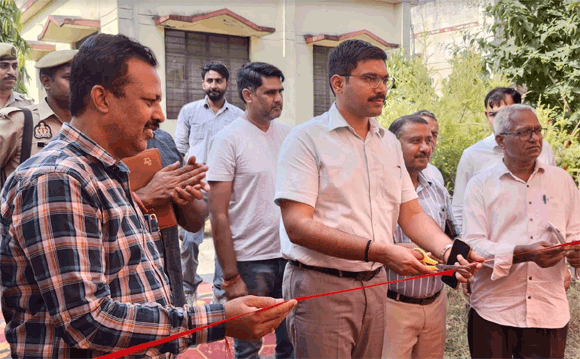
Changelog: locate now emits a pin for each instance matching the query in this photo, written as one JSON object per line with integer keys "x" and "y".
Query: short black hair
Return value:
{"x": 250, "y": 76}
{"x": 425, "y": 113}
{"x": 102, "y": 60}
{"x": 217, "y": 67}
{"x": 346, "y": 56}
{"x": 399, "y": 123}
{"x": 51, "y": 71}
{"x": 498, "y": 94}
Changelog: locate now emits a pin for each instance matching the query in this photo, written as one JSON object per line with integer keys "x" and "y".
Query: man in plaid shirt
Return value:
{"x": 81, "y": 273}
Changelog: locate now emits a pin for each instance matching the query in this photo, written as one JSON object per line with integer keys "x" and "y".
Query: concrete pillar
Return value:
{"x": 404, "y": 26}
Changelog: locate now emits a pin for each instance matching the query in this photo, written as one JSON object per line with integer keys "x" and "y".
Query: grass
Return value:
{"x": 456, "y": 342}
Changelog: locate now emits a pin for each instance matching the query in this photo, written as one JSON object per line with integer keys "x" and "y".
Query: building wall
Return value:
{"x": 89, "y": 9}
{"x": 440, "y": 24}
{"x": 285, "y": 48}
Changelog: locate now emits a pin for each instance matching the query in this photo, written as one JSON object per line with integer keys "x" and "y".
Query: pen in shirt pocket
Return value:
{"x": 545, "y": 199}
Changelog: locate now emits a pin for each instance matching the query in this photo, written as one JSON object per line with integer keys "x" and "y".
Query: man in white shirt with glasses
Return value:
{"x": 518, "y": 304}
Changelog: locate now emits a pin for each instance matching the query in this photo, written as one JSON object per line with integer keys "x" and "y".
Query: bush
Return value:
{"x": 564, "y": 142}
{"x": 460, "y": 110}
{"x": 458, "y": 107}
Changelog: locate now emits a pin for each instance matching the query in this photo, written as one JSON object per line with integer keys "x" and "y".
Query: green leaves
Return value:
{"x": 457, "y": 103}
{"x": 10, "y": 27}
{"x": 537, "y": 45}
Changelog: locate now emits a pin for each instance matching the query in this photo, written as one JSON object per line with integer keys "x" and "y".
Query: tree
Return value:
{"x": 10, "y": 28}
{"x": 536, "y": 43}
{"x": 459, "y": 109}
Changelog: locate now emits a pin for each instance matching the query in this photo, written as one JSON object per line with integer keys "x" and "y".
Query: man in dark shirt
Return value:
{"x": 191, "y": 215}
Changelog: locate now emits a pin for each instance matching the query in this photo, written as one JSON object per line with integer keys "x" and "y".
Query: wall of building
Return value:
{"x": 337, "y": 18}
{"x": 88, "y": 9}
{"x": 439, "y": 25}
{"x": 285, "y": 48}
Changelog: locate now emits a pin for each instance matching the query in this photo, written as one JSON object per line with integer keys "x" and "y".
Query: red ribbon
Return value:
{"x": 144, "y": 346}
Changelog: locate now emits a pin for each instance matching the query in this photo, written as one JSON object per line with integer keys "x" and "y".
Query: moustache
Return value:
{"x": 215, "y": 93}
{"x": 380, "y": 97}
{"x": 154, "y": 125}
{"x": 9, "y": 77}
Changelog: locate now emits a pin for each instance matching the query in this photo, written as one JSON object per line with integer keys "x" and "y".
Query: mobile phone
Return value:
{"x": 459, "y": 247}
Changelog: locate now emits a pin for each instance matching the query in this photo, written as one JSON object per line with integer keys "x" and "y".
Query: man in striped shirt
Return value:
{"x": 81, "y": 273}
{"x": 415, "y": 324}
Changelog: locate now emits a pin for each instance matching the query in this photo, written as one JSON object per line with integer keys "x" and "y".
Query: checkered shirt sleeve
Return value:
{"x": 81, "y": 273}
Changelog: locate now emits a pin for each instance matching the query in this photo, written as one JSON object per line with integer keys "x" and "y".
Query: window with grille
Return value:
{"x": 323, "y": 96}
{"x": 187, "y": 52}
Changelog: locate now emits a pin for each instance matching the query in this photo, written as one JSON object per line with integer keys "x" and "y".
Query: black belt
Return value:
{"x": 403, "y": 298}
{"x": 361, "y": 276}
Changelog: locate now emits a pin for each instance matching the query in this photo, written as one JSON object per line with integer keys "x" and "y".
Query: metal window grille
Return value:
{"x": 187, "y": 52}
{"x": 323, "y": 96}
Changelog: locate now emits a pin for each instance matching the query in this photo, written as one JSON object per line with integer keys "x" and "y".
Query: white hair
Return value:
{"x": 503, "y": 119}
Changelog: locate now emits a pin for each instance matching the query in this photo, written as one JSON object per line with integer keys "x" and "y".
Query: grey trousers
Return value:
{"x": 189, "y": 259}
{"x": 346, "y": 325}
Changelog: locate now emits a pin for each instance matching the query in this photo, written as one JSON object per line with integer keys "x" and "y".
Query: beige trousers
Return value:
{"x": 346, "y": 325}
{"x": 415, "y": 331}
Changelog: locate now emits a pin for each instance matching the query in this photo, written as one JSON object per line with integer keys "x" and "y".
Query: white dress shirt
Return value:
{"x": 354, "y": 185}
{"x": 197, "y": 124}
{"x": 479, "y": 157}
{"x": 501, "y": 211}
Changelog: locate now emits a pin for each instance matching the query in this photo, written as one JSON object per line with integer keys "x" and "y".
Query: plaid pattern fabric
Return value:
{"x": 81, "y": 273}
{"x": 434, "y": 199}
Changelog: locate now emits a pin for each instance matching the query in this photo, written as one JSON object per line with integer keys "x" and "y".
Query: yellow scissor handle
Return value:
{"x": 429, "y": 262}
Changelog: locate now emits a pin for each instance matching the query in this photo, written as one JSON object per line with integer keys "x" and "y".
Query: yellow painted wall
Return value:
{"x": 442, "y": 24}
{"x": 285, "y": 48}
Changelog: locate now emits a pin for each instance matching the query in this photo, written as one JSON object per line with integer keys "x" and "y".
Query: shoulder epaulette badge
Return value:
{"x": 6, "y": 111}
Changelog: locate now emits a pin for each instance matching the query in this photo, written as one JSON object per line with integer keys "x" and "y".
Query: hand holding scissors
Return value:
{"x": 433, "y": 264}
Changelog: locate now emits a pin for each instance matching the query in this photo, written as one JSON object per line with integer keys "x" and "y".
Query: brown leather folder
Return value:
{"x": 143, "y": 167}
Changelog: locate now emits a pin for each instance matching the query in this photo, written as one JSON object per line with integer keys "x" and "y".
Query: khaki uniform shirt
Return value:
{"x": 46, "y": 126}
{"x": 18, "y": 100}
{"x": 11, "y": 126}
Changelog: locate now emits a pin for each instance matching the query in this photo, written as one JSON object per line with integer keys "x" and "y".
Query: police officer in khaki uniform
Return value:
{"x": 53, "y": 110}
{"x": 47, "y": 116}
{"x": 9, "y": 77}
{"x": 11, "y": 128}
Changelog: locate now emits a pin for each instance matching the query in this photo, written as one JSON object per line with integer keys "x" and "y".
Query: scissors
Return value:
{"x": 435, "y": 265}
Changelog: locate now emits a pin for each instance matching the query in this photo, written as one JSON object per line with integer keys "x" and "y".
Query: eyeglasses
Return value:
{"x": 374, "y": 81}
{"x": 527, "y": 134}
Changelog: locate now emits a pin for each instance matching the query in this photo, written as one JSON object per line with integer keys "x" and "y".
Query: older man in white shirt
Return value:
{"x": 518, "y": 305}
{"x": 486, "y": 152}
